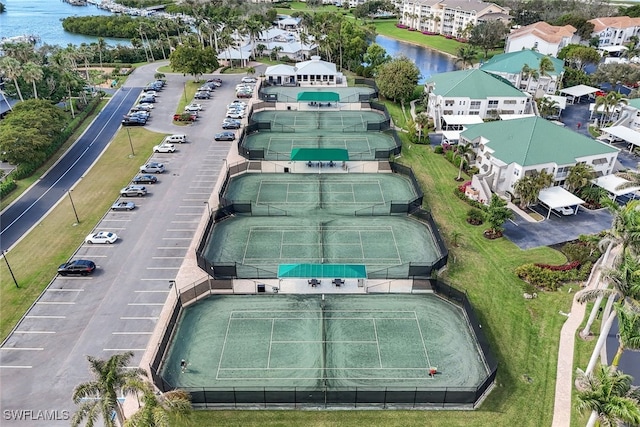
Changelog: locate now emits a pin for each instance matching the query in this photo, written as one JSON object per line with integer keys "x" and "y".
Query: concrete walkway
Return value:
{"x": 564, "y": 372}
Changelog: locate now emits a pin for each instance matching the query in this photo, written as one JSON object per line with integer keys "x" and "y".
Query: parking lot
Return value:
{"x": 116, "y": 308}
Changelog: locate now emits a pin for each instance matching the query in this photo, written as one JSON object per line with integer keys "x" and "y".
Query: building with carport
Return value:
{"x": 556, "y": 198}
{"x": 612, "y": 184}
{"x": 575, "y": 93}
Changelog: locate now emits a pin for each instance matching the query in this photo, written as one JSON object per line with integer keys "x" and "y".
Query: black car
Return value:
{"x": 144, "y": 179}
{"x": 231, "y": 125}
{"x": 83, "y": 267}
{"x": 225, "y": 136}
{"x": 202, "y": 95}
{"x": 133, "y": 121}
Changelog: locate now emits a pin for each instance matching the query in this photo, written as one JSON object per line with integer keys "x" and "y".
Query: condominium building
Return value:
{"x": 615, "y": 30}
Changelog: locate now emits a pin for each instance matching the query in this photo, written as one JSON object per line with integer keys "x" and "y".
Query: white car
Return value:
{"x": 234, "y": 115}
{"x": 248, "y": 80}
{"x": 144, "y": 107}
{"x": 101, "y": 237}
{"x": 179, "y": 138}
{"x": 151, "y": 93}
{"x": 565, "y": 211}
{"x": 193, "y": 107}
{"x": 236, "y": 106}
{"x": 165, "y": 147}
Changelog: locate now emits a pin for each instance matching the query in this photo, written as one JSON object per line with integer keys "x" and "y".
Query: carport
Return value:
{"x": 558, "y": 197}
{"x": 623, "y": 132}
{"x": 577, "y": 92}
{"x": 611, "y": 184}
{"x": 457, "y": 123}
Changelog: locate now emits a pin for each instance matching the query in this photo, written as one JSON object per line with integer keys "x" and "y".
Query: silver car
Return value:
{"x": 134, "y": 190}
{"x": 152, "y": 167}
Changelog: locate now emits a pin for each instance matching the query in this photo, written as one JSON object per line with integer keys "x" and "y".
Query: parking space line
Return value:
{"x": 34, "y": 332}
{"x": 189, "y": 213}
{"x": 155, "y": 280}
{"x": 64, "y": 290}
{"x": 195, "y": 200}
{"x": 15, "y": 367}
{"x": 98, "y": 256}
{"x": 145, "y": 303}
{"x": 124, "y": 349}
{"x": 56, "y": 302}
{"x": 167, "y": 257}
{"x": 149, "y": 292}
{"x": 131, "y": 333}
{"x": 163, "y": 268}
{"x": 23, "y": 348}
{"x": 139, "y": 318}
{"x": 177, "y": 238}
{"x": 205, "y": 193}
{"x": 181, "y": 229}
{"x": 201, "y": 186}
{"x": 185, "y": 222}
{"x": 76, "y": 278}
{"x": 115, "y": 219}
{"x": 172, "y": 247}
{"x": 33, "y": 316}
{"x": 199, "y": 206}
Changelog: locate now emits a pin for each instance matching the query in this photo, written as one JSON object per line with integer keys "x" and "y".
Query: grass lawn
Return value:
{"x": 524, "y": 333}
{"x": 35, "y": 258}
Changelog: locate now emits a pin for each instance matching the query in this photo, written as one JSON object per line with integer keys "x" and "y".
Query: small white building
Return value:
{"x": 615, "y": 30}
{"x": 314, "y": 72}
{"x": 542, "y": 37}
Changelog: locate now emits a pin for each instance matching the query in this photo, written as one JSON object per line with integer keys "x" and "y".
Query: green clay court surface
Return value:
{"x": 347, "y": 94}
{"x": 386, "y": 244}
{"x": 339, "y": 193}
{"x": 380, "y": 341}
{"x": 327, "y": 121}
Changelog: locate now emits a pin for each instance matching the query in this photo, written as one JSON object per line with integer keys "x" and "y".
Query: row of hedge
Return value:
{"x": 545, "y": 278}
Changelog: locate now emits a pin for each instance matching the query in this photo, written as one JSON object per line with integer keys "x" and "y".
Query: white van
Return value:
{"x": 175, "y": 139}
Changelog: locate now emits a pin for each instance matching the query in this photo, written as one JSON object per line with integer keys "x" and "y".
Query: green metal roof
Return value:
{"x": 635, "y": 103}
{"x": 319, "y": 96}
{"x": 533, "y": 140}
{"x": 473, "y": 84}
{"x": 336, "y": 271}
{"x": 319, "y": 154}
{"x": 513, "y": 62}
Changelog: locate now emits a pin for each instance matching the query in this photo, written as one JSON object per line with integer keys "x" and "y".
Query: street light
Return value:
{"x": 4, "y": 255}
{"x": 74, "y": 207}
{"x": 133, "y": 153}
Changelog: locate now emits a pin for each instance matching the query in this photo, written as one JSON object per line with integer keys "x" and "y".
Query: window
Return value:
{"x": 493, "y": 103}
{"x": 475, "y": 105}
{"x": 510, "y": 101}
{"x": 449, "y": 103}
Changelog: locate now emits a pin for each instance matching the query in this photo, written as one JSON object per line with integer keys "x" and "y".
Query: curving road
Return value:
{"x": 29, "y": 209}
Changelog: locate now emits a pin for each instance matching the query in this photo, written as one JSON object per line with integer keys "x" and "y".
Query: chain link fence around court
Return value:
{"x": 330, "y": 325}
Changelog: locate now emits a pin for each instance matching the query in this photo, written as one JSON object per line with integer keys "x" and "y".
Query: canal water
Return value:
{"x": 42, "y": 18}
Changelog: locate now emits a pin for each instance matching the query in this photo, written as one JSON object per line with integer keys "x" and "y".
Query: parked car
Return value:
{"x": 185, "y": 117}
{"x": 142, "y": 107}
{"x": 123, "y": 206}
{"x": 149, "y": 93}
{"x": 248, "y": 80}
{"x": 147, "y": 100}
{"x": 134, "y": 190}
{"x": 244, "y": 94}
{"x": 160, "y": 82}
{"x": 202, "y": 95}
{"x": 83, "y": 267}
{"x": 234, "y": 114}
{"x": 134, "y": 121}
{"x": 176, "y": 138}
{"x": 101, "y": 237}
{"x": 153, "y": 167}
{"x": 165, "y": 147}
{"x": 225, "y": 136}
{"x": 141, "y": 114}
{"x": 144, "y": 179}
{"x": 205, "y": 89}
{"x": 564, "y": 211}
{"x": 215, "y": 79}
{"x": 193, "y": 107}
{"x": 238, "y": 102}
{"x": 231, "y": 125}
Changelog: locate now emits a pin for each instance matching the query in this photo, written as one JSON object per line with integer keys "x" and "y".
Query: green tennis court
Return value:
{"x": 290, "y": 94}
{"x": 389, "y": 243}
{"x": 338, "y": 193}
{"x": 324, "y": 341}
{"x": 278, "y": 146}
{"x": 328, "y": 121}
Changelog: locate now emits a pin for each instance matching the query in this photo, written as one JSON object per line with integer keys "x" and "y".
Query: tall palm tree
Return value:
{"x": 159, "y": 410}
{"x": 101, "y": 46}
{"x": 11, "y": 68}
{"x": 466, "y": 54}
{"x": 99, "y": 397}
{"x": 580, "y": 175}
{"x": 545, "y": 66}
{"x": 609, "y": 396}
{"x": 628, "y": 332}
{"x": 422, "y": 121}
{"x": 464, "y": 151}
{"x": 529, "y": 186}
{"x": 32, "y": 73}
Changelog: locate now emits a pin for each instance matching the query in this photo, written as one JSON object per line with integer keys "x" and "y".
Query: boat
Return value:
{"x": 26, "y": 38}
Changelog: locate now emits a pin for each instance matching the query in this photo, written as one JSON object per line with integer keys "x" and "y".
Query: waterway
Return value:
{"x": 42, "y": 18}
{"x": 429, "y": 61}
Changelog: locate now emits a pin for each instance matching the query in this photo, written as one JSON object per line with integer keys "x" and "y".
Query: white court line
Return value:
{"x": 163, "y": 268}
{"x": 224, "y": 344}
{"x": 55, "y": 303}
{"x": 23, "y": 348}
{"x": 139, "y": 318}
{"x": 33, "y": 316}
{"x": 15, "y": 367}
{"x": 375, "y": 330}
{"x": 64, "y": 290}
{"x": 34, "y": 332}
{"x": 131, "y": 333}
{"x": 424, "y": 346}
{"x": 273, "y": 322}
{"x": 145, "y": 303}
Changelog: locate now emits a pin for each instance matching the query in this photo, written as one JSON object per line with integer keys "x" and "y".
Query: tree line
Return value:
{"x": 121, "y": 26}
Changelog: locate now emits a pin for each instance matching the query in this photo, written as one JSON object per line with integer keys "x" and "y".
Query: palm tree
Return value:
{"x": 628, "y": 332}
{"x": 580, "y": 175}
{"x": 545, "y": 66}
{"x": 99, "y": 397}
{"x": 529, "y": 186}
{"x": 160, "y": 410}
{"x": 466, "y": 55}
{"x": 31, "y": 73}
{"x": 11, "y": 68}
{"x": 421, "y": 120}
{"x": 547, "y": 106}
{"x": 609, "y": 396}
{"x": 464, "y": 151}
{"x": 101, "y": 46}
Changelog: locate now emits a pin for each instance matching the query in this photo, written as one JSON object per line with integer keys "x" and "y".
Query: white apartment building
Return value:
{"x": 542, "y": 37}
{"x": 449, "y": 17}
{"x": 615, "y": 30}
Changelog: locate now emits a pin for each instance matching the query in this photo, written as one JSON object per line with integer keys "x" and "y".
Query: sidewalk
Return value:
{"x": 564, "y": 372}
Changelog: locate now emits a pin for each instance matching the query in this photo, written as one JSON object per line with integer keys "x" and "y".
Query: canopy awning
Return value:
{"x": 337, "y": 271}
{"x": 462, "y": 119}
{"x": 515, "y": 116}
{"x": 625, "y": 133}
{"x": 319, "y": 154}
{"x": 319, "y": 96}
{"x": 579, "y": 90}
{"x": 558, "y": 197}
{"x": 612, "y": 182}
{"x": 561, "y": 100}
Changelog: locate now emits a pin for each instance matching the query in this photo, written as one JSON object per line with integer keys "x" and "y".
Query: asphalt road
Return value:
{"x": 27, "y": 211}
{"x": 116, "y": 309}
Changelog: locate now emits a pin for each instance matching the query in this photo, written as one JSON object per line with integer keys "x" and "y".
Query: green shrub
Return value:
{"x": 550, "y": 280}
{"x": 475, "y": 216}
{"x": 474, "y": 203}
{"x": 473, "y": 170}
{"x": 581, "y": 252}
{"x": 7, "y": 186}
{"x": 438, "y": 149}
